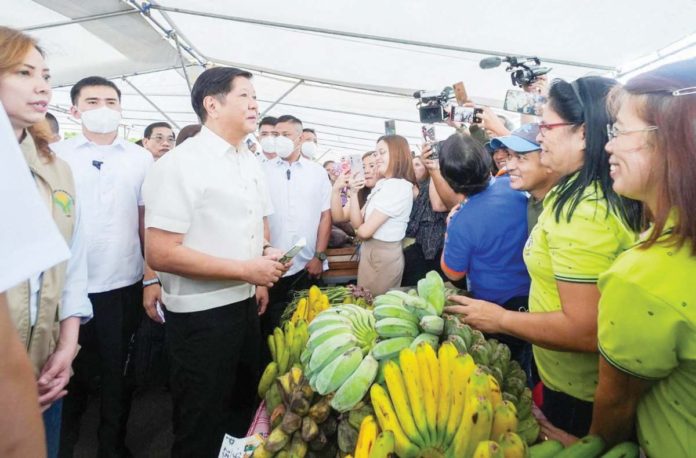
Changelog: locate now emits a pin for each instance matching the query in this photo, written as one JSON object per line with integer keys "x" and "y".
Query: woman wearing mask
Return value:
{"x": 340, "y": 211}
{"x": 46, "y": 309}
{"x": 647, "y": 310}
{"x": 381, "y": 224}
{"x": 426, "y": 226}
{"x": 584, "y": 226}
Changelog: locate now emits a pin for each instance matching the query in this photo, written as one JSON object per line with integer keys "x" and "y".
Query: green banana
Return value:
{"x": 337, "y": 371}
{"x": 588, "y": 446}
{"x": 430, "y": 339}
{"x": 268, "y": 377}
{"x": 383, "y": 446}
{"x": 390, "y": 348}
{"x": 546, "y": 449}
{"x": 623, "y": 450}
{"x": 394, "y": 311}
{"x": 387, "y": 299}
{"x": 323, "y": 334}
{"x": 331, "y": 349}
{"x": 396, "y": 327}
{"x": 513, "y": 446}
{"x": 458, "y": 343}
{"x": 528, "y": 429}
{"x": 432, "y": 324}
{"x": 356, "y": 386}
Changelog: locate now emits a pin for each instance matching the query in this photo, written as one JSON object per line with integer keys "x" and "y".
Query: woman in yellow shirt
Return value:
{"x": 647, "y": 311}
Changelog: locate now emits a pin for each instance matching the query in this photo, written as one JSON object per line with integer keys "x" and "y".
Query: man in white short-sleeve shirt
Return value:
{"x": 109, "y": 172}
{"x": 206, "y": 202}
{"x": 301, "y": 197}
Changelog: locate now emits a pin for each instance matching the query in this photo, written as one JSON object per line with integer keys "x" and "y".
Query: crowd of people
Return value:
{"x": 573, "y": 235}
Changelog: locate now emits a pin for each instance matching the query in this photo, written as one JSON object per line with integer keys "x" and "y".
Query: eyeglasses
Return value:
{"x": 162, "y": 139}
{"x": 543, "y": 127}
{"x": 613, "y": 131}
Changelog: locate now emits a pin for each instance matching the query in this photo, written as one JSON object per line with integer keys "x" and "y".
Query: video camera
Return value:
{"x": 431, "y": 104}
{"x": 523, "y": 70}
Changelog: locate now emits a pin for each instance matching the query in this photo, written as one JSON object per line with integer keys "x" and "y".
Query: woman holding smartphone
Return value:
{"x": 340, "y": 211}
{"x": 381, "y": 223}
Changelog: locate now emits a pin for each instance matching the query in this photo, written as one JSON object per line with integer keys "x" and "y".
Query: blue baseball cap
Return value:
{"x": 521, "y": 140}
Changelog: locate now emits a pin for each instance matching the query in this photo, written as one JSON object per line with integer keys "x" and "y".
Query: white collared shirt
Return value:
{"x": 394, "y": 198}
{"x": 109, "y": 178}
{"x": 300, "y": 192}
{"x": 217, "y": 197}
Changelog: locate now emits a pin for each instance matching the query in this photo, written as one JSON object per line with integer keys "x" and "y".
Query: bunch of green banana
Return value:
{"x": 337, "y": 357}
{"x": 302, "y": 424}
{"x": 286, "y": 345}
{"x": 588, "y": 447}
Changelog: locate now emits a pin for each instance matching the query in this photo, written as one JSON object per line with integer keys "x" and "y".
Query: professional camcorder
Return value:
{"x": 431, "y": 104}
{"x": 523, "y": 70}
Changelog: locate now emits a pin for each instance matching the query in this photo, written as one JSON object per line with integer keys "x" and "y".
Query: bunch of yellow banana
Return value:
{"x": 442, "y": 405}
{"x": 286, "y": 345}
{"x": 310, "y": 306}
{"x": 371, "y": 442}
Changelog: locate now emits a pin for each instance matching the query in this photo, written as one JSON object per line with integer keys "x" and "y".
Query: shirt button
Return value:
{"x": 252, "y": 237}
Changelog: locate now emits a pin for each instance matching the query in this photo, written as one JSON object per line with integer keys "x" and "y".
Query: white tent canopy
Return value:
{"x": 342, "y": 67}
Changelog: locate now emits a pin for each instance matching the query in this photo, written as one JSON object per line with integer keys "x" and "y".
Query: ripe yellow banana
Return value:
{"x": 481, "y": 428}
{"x": 399, "y": 397}
{"x": 366, "y": 437}
{"x": 446, "y": 355}
{"x": 463, "y": 366}
{"x": 384, "y": 445}
{"x": 389, "y": 422}
{"x": 460, "y": 441}
{"x": 504, "y": 420}
{"x": 414, "y": 389}
{"x": 513, "y": 446}
{"x": 488, "y": 449}
{"x": 496, "y": 393}
{"x": 478, "y": 385}
{"x": 429, "y": 396}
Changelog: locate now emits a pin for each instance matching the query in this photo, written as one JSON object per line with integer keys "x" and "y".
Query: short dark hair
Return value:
{"x": 289, "y": 118}
{"x": 310, "y": 130}
{"x": 268, "y": 121}
{"x": 216, "y": 82}
{"x": 153, "y": 126}
{"x": 187, "y": 132}
{"x": 328, "y": 162}
{"x": 465, "y": 164}
{"x": 92, "y": 81}
{"x": 53, "y": 122}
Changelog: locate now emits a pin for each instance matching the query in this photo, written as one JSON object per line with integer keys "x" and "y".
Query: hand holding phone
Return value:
{"x": 292, "y": 252}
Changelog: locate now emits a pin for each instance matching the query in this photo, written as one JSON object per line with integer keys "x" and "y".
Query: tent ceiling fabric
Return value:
{"x": 350, "y": 85}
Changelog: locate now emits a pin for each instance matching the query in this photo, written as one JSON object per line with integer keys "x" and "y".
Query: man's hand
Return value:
{"x": 482, "y": 315}
{"x": 264, "y": 271}
{"x": 426, "y": 152}
{"x": 151, "y": 295}
{"x": 54, "y": 376}
{"x": 274, "y": 253}
{"x": 262, "y": 299}
{"x": 315, "y": 268}
{"x": 491, "y": 121}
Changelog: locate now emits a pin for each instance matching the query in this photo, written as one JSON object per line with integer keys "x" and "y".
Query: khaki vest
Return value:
{"x": 54, "y": 181}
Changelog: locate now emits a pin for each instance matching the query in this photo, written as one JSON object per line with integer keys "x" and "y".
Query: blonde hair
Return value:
{"x": 14, "y": 46}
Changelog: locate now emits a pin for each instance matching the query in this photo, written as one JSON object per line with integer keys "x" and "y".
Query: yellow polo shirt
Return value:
{"x": 576, "y": 252}
{"x": 647, "y": 328}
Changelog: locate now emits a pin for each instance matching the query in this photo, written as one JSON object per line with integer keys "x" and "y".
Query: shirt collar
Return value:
{"x": 302, "y": 160}
{"x": 217, "y": 145}
{"x": 81, "y": 140}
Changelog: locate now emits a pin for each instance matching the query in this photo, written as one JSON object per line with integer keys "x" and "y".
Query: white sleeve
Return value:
{"x": 393, "y": 199}
{"x": 147, "y": 165}
{"x": 325, "y": 192}
{"x": 74, "y": 299}
{"x": 169, "y": 202}
{"x": 263, "y": 190}
{"x": 29, "y": 239}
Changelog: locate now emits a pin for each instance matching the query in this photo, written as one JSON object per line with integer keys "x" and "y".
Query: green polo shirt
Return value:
{"x": 576, "y": 252}
{"x": 647, "y": 328}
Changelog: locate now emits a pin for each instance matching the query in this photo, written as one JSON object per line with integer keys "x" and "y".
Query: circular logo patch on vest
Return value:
{"x": 64, "y": 201}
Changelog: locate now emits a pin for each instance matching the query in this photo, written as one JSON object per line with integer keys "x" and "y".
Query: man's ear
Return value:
{"x": 75, "y": 113}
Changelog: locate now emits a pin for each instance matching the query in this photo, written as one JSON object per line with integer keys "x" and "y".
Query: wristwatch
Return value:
{"x": 153, "y": 281}
{"x": 320, "y": 256}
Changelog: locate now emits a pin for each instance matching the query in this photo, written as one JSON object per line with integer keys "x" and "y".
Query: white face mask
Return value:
{"x": 284, "y": 147}
{"x": 310, "y": 150}
{"x": 268, "y": 144}
{"x": 102, "y": 120}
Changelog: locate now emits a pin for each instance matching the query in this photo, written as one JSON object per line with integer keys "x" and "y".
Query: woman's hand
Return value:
{"x": 342, "y": 181}
{"x": 54, "y": 376}
{"x": 357, "y": 182}
{"x": 426, "y": 152}
{"x": 482, "y": 315}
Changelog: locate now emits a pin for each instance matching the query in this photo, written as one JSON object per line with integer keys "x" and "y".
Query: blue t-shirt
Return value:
{"x": 486, "y": 238}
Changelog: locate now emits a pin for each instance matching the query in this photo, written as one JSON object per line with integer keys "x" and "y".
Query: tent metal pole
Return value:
{"x": 281, "y": 98}
{"x": 78, "y": 20}
{"x": 181, "y": 58}
{"x": 364, "y": 36}
{"x": 154, "y": 105}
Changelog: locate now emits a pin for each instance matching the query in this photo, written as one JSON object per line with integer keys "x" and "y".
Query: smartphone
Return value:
{"x": 429, "y": 137}
{"x": 460, "y": 93}
{"x": 466, "y": 115}
{"x": 522, "y": 102}
{"x": 356, "y": 166}
{"x": 292, "y": 252}
{"x": 390, "y": 127}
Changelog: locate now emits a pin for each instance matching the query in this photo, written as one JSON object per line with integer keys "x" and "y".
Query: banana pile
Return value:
{"x": 286, "y": 345}
{"x": 349, "y": 424}
{"x": 337, "y": 356}
{"x": 311, "y": 306}
{"x": 302, "y": 423}
{"x": 494, "y": 358}
{"x": 407, "y": 319}
{"x": 588, "y": 447}
{"x": 444, "y": 405}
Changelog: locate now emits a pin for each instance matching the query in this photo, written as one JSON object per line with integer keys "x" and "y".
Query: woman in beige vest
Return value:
{"x": 46, "y": 309}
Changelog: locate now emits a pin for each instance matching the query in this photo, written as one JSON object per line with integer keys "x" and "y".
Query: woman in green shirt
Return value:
{"x": 584, "y": 226}
{"x": 647, "y": 311}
